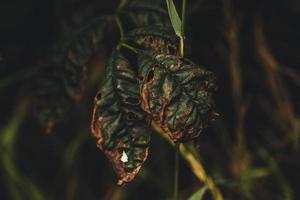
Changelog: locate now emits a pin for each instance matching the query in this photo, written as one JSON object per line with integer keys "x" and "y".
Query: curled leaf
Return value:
{"x": 139, "y": 13}
{"x": 156, "y": 38}
{"x": 78, "y": 52}
{"x": 177, "y": 94}
{"x": 51, "y": 100}
{"x": 61, "y": 82}
{"x": 118, "y": 122}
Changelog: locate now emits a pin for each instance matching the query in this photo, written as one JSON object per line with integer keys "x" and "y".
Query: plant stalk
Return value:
{"x": 121, "y": 5}
{"x": 181, "y": 47}
{"x": 181, "y": 52}
{"x": 176, "y": 171}
{"x": 183, "y": 13}
{"x": 120, "y": 27}
{"x": 128, "y": 47}
{"x": 194, "y": 163}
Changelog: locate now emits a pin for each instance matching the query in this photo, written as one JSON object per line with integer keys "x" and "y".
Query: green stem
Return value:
{"x": 117, "y": 19}
{"x": 195, "y": 164}
{"x": 128, "y": 47}
{"x": 181, "y": 45}
{"x": 121, "y": 5}
{"x": 176, "y": 171}
{"x": 120, "y": 27}
{"x": 183, "y": 13}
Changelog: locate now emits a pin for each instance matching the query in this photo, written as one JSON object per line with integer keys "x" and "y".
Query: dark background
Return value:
{"x": 251, "y": 151}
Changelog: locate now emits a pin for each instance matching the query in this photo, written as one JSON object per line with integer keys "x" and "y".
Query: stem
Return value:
{"x": 181, "y": 46}
{"x": 181, "y": 52}
{"x": 176, "y": 171}
{"x": 183, "y": 13}
{"x": 195, "y": 165}
{"x": 117, "y": 19}
{"x": 119, "y": 24}
{"x": 121, "y": 5}
{"x": 128, "y": 47}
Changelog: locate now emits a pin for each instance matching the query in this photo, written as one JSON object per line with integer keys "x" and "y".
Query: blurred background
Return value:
{"x": 250, "y": 152}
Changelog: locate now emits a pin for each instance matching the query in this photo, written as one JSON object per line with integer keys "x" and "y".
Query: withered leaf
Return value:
{"x": 118, "y": 122}
{"x": 156, "y": 38}
{"x": 78, "y": 51}
{"x": 177, "y": 94}
{"x": 139, "y": 13}
{"x": 51, "y": 100}
{"x": 61, "y": 81}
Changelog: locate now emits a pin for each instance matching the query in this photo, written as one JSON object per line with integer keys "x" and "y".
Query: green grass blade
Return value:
{"x": 174, "y": 17}
{"x": 199, "y": 194}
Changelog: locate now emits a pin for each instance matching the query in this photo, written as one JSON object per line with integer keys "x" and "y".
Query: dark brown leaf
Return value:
{"x": 177, "y": 94}
{"x": 119, "y": 123}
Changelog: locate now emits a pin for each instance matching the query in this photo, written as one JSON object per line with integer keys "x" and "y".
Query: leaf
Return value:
{"x": 139, "y": 13}
{"x": 177, "y": 94}
{"x": 61, "y": 82}
{"x": 118, "y": 122}
{"x": 156, "y": 38}
{"x": 78, "y": 52}
{"x": 51, "y": 100}
{"x": 174, "y": 17}
{"x": 199, "y": 194}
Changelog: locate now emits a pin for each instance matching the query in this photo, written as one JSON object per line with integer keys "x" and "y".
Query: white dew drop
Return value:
{"x": 124, "y": 157}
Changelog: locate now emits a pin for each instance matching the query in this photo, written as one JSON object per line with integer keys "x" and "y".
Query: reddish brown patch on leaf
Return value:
{"x": 176, "y": 136}
{"x": 114, "y": 154}
{"x": 146, "y": 93}
{"x": 96, "y": 126}
{"x": 172, "y": 49}
{"x": 119, "y": 166}
{"x": 177, "y": 97}
{"x": 159, "y": 45}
